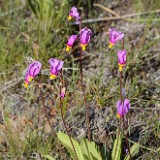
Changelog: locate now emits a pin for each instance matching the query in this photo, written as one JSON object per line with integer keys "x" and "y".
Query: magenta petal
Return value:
{"x": 115, "y": 35}
{"x": 33, "y": 69}
{"x": 71, "y": 40}
{"x": 122, "y": 57}
{"x": 119, "y": 107}
{"x": 60, "y": 65}
{"x": 119, "y": 37}
{"x": 55, "y": 65}
{"x": 127, "y": 105}
{"x": 118, "y": 104}
{"x": 123, "y": 107}
{"x": 85, "y": 34}
{"x": 75, "y": 14}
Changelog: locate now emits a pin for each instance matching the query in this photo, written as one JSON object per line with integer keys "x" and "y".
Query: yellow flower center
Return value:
{"x": 52, "y": 76}
{"x": 118, "y": 116}
{"x": 69, "y": 17}
{"x": 121, "y": 67}
{"x": 111, "y": 44}
{"x": 83, "y": 46}
{"x": 30, "y": 79}
{"x": 68, "y": 48}
{"x": 25, "y": 84}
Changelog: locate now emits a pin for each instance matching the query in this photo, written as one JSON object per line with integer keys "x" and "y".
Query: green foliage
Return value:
{"x": 90, "y": 150}
{"x": 42, "y": 9}
{"x": 64, "y": 139}
{"x": 85, "y": 150}
{"x": 133, "y": 150}
{"x": 116, "y": 152}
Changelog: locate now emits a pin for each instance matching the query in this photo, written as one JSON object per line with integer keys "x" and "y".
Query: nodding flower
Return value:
{"x": 74, "y": 14}
{"x": 70, "y": 42}
{"x": 63, "y": 92}
{"x": 55, "y": 67}
{"x": 121, "y": 59}
{"x": 33, "y": 70}
{"x": 122, "y": 107}
{"x": 85, "y": 35}
{"x": 114, "y": 36}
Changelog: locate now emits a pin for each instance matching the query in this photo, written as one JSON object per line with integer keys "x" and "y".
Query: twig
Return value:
{"x": 123, "y": 17}
{"x": 106, "y": 9}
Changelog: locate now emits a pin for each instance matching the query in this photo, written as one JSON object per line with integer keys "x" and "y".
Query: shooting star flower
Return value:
{"x": 74, "y": 14}
{"x": 32, "y": 71}
{"x": 114, "y": 36}
{"x": 55, "y": 67}
{"x": 121, "y": 59}
{"x": 85, "y": 35}
{"x": 122, "y": 107}
{"x": 70, "y": 42}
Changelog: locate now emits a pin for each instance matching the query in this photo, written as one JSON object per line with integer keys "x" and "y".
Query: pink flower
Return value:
{"x": 121, "y": 59}
{"x": 74, "y": 14}
{"x": 63, "y": 92}
{"x": 114, "y": 36}
{"x": 70, "y": 42}
{"x": 55, "y": 67}
{"x": 85, "y": 34}
{"x": 32, "y": 71}
{"x": 123, "y": 107}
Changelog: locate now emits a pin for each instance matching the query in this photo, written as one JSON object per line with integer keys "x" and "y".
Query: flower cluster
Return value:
{"x": 84, "y": 34}
{"x": 116, "y": 36}
{"x": 34, "y": 69}
{"x": 123, "y": 106}
{"x": 84, "y": 38}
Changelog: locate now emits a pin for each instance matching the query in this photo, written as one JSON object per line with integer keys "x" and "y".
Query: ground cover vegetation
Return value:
{"x": 79, "y": 80}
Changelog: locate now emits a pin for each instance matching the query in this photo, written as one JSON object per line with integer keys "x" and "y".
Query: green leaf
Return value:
{"x": 116, "y": 152}
{"x": 133, "y": 150}
{"x": 90, "y": 150}
{"x": 48, "y": 157}
{"x": 64, "y": 139}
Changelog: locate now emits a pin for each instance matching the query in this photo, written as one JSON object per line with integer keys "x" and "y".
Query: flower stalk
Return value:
{"x": 62, "y": 94}
{"x": 123, "y": 123}
{"x": 84, "y": 38}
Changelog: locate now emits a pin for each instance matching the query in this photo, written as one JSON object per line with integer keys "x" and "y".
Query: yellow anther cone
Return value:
{"x": 111, "y": 45}
{"x": 69, "y": 17}
{"x": 52, "y": 76}
{"x": 68, "y": 48}
{"x": 120, "y": 67}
